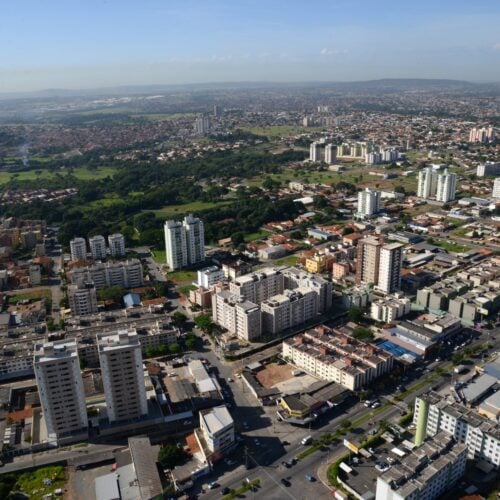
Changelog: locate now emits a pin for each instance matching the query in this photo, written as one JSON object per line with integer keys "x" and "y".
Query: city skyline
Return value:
{"x": 109, "y": 44}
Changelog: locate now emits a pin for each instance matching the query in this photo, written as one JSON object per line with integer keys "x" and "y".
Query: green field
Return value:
{"x": 176, "y": 210}
{"x": 262, "y": 233}
{"x": 31, "y": 484}
{"x": 31, "y": 295}
{"x": 182, "y": 277}
{"x": 81, "y": 173}
{"x": 451, "y": 246}
{"x": 281, "y": 130}
{"x": 159, "y": 256}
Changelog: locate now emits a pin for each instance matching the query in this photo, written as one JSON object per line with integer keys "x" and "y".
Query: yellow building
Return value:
{"x": 316, "y": 264}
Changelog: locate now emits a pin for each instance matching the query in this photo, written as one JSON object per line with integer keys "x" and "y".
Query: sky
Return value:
{"x": 101, "y": 43}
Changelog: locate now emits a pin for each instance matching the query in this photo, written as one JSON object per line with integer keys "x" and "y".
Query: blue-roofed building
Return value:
{"x": 132, "y": 300}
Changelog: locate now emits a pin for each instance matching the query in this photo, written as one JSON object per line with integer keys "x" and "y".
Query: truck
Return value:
{"x": 307, "y": 440}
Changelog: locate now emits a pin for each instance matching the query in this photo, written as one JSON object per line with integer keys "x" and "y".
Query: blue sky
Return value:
{"x": 90, "y": 43}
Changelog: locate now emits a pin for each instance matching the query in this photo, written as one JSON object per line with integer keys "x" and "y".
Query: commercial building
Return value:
{"x": 78, "y": 247}
{"x": 217, "y": 427}
{"x": 389, "y": 272}
{"x": 122, "y": 372}
{"x": 258, "y": 286}
{"x": 289, "y": 309}
{"x": 60, "y": 387}
{"x": 116, "y": 244}
{"x": 426, "y": 473}
{"x": 184, "y": 242}
{"x": 209, "y": 276}
{"x": 127, "y": 274}
{"x": 97, "y": 246}
{"x": 237, "y": 315}
{"x": 433, "y": 413}
{"x": 336, "y": 356}
{"x": 82, "y": 299}
{"x": 368, "y": 203}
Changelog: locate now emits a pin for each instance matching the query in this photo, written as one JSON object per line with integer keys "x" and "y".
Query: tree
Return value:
{"x": 347, "y": 230}
{"x": 204, "y": 322}
{"x": 174, "y": 348}
{"x": 355, "y": 314}
{"x": 190, "y": 341}
{"x": 362, "y": 333}
{"x": 170, "y": 455}
{"x": 114, "y": 293}
{"x": 179, "y": 318}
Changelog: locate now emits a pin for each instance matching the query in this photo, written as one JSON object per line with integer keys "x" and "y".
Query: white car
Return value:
{"x": 376, "y": 404}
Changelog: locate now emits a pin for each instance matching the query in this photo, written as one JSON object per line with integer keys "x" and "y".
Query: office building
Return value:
{"x": 97, "y": 246}
{"x": 217, "y": 427}
{"x": 368, "y": 202}
{"x": 434, "y": 413}
{"x": 330, "y": 154}
{"x": 210, "y": 276}
{"x": 60, "y": 387}
{"x": 78, "y": 247}
{"x": 389, "y": 271}
{"x": 427, "y": 183}
{"x": 258, "y": 286}
{"x": 239, "y": 316}
{"x": 482, "y": 134}
{"x": 116, "y": 244}
{"x": 490, "y": 168}
{"x": 427, "y": 472}
{"x": 496, "y": 189}
{"x": 289, "y": 309}
{"x": 82, "y": 299}
{"x": 446, "y": 187}
{"x": 126, "y": 274}
{"x": 315, "y": 151}
{"x": 184, "y": 242}
{"x": 122, "y": 373}
{"x": 368, "y": 260}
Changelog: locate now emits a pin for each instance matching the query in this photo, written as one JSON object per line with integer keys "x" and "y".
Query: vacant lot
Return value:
{"x": 274, "y": 374}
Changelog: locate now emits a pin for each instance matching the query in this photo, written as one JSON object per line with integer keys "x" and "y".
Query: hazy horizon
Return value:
{"x": 108, "y": 44}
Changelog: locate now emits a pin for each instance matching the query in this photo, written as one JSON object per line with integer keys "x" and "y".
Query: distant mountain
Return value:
{"x": 386, "y": 85}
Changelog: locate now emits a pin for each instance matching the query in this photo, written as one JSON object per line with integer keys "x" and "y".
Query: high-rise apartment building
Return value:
{"x": 78, "y": 247}
{"x": 368, "y": 260}
{"x": 488, "y": 168}
{"x": 184, "y": 242}
{"x": 60, "y": 387}
{"x": 128, "y": 274}
{"x": 258, "y": 286}
{"x": 389, "y": 272}
{"x": 496, "y": 189}
{"x": 330, "y": 154}
{"x": 482, "y": 134}
{"x": 82, "y": 299}
{"x": 446, "y": 187}
{"x": 116, "y": 244}
{"x": 97, "y": 246}
{"x": 202, "y": 125}
{"x": 427, "y": 183}
{"x": 122, "y": 372}
{"x": 315, "y": 151}
{"x": 368, "y": 202}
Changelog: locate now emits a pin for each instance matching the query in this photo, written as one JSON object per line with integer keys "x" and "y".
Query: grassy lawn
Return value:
{"x": 281, "y": 130}
{"x": 81, "y": 173}
{"x": 451, "y": 246}
{"x": 32, "y": 485}
{"x": 159, "y": 256}
{"x": 177, "y": 210}
{"x": 30, "y": 295}
{"x": 290, "y": 260}
{"x": 262, "y": 233}
{"x": 182, "y": 277}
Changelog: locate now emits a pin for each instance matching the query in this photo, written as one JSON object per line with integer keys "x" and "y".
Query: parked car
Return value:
{"x": 285, "y": 482}
{"x": 310, "y": 478}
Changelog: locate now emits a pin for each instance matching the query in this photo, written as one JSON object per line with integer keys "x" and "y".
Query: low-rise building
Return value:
{"x": 126, "y": 274}
{"x": 209, "y": 276}
{"x": 217, "y": 427}
{"x": 390, "y": 308}
{"x": 82, "y": 299}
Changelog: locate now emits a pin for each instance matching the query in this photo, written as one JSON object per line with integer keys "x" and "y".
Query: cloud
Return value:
{"x": 331, "y": 52}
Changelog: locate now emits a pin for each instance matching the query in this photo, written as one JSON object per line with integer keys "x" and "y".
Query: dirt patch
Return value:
{"x": 273, "y": 374}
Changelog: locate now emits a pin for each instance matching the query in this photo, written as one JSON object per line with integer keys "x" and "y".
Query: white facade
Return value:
{"x": 78, "y": 247}
{"x": 391, "y": 260}
{"x": 390, "y": 309}
{"x": 315, "y": 151}
{"x": 116, "y": 244}
{"x": 184, "y": 242}
{"x": 122, "y": 372}
{"x": 488, "y": 168}
{"x": 217, "y": 427}
{"x": 330, "y": 154}
{"x": 202, "y": 125}
{"x": 258, "y": 286}
{"x": 209, "y": 276}
{"x": 82, "y": 299}
{"x": 127, "y": 274}
{"x": 481, "y": 134}
{"x": 427, "y": 183}
{"x": 496, "y": 189}
{"x": 97, "y": 246}
{"x": 368, "y": 202}
{"x": 60, "y": 386}
{"x": 446, "y": 187}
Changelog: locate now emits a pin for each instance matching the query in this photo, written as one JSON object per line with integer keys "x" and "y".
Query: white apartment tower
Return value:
{"x": 496, "y": 188}
{"x": 82, "y": 299}
{"x": 97, "y": 246}
{"x": 122, "y": 372}
{"x": 60, "y": 386}
{"x": 446, "y": 187}
{"x": 315, "y": 151}
{"x": 116, "y": 244}
{"x": 184, "y": 242}
{"x": 78, "y": 247}
{"x": 368, "y": 202}
{"x": 427, "y": 183}
{"x": 389, "y": 273}
{"x": 330, "y": 154}
{"x": 259, "y": 286}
